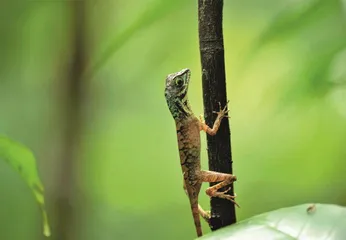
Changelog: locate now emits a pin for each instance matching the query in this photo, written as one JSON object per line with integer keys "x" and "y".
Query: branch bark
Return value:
{"x": 214, "y": 91}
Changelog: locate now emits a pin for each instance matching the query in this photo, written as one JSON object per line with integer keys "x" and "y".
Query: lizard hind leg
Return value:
{"x": 224, "y": 179}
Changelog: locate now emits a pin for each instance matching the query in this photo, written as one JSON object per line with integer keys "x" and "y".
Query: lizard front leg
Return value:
{"x": 204, "y": 214}
{"x": 220, "y": 115}
{"x": 224, "y": 179}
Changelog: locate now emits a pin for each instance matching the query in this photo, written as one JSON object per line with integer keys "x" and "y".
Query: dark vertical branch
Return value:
{"x": 72, "y": 122}
{"x": 214, "y": 91}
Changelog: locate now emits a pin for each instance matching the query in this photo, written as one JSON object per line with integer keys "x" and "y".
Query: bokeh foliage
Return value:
{"x": 285, "y": 77}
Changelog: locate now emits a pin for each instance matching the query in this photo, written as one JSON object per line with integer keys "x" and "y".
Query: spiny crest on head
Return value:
{"x": 176, "y": 93}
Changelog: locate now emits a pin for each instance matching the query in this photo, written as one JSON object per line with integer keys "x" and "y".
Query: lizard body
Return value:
{"x": 188, "y": 128}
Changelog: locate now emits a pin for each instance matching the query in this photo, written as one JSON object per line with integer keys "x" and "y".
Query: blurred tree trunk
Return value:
{"x": 73, "y": 92}
{"x": 214, "y": 91}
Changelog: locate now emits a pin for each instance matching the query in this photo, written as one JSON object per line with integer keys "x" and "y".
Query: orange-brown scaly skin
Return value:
{"x": 188, "y": 128}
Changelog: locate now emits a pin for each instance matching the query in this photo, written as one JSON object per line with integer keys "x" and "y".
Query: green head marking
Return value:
{"x": 176, "y": 93}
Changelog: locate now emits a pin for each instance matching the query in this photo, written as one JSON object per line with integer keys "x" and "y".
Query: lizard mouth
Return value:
{"x": 188, "y": 72}
{"x": 187, "y": 79}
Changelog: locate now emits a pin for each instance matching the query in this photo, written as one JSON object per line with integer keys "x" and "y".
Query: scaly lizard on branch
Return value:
{"x": 188, "y": 128}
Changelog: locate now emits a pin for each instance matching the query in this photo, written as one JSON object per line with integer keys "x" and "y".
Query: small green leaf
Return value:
{"x": 306, "y": 221}
{"x": 24, "y": 162}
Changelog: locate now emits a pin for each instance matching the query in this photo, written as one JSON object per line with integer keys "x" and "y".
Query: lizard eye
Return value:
{"x": 179, "y": 81}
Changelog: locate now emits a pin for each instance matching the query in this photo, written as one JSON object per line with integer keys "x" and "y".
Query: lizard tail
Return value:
{"x": 196, "y": 219}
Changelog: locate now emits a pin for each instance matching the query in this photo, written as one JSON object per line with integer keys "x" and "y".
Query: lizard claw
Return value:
{"x": 231, "y": 199}
{"x": 223, "y": 111}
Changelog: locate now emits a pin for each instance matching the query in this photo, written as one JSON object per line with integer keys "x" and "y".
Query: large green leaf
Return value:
{"x": 323, "y": 221}
{"x": 24, "y": 162}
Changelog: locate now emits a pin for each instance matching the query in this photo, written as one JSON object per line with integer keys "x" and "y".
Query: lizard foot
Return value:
{"x": 206, "y": 216}
{"x": 223, "y": 111}
{"x": 225, "y": 196}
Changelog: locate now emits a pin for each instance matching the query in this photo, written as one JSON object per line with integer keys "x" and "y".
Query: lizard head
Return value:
{"x": 176, "y": 93}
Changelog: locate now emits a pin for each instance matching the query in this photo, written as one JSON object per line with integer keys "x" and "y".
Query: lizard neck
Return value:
{"x": 180, "y": 109}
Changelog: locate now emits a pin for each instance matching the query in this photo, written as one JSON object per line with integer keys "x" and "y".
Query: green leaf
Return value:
{"x": 23, "y": 161}
{"x": 325, "y": 221}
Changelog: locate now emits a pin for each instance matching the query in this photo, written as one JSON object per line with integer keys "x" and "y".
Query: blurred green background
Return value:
{"x": 285, "y": 68}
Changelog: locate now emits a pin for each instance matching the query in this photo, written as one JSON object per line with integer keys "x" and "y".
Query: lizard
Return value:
{"x": 188, "y": 128}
